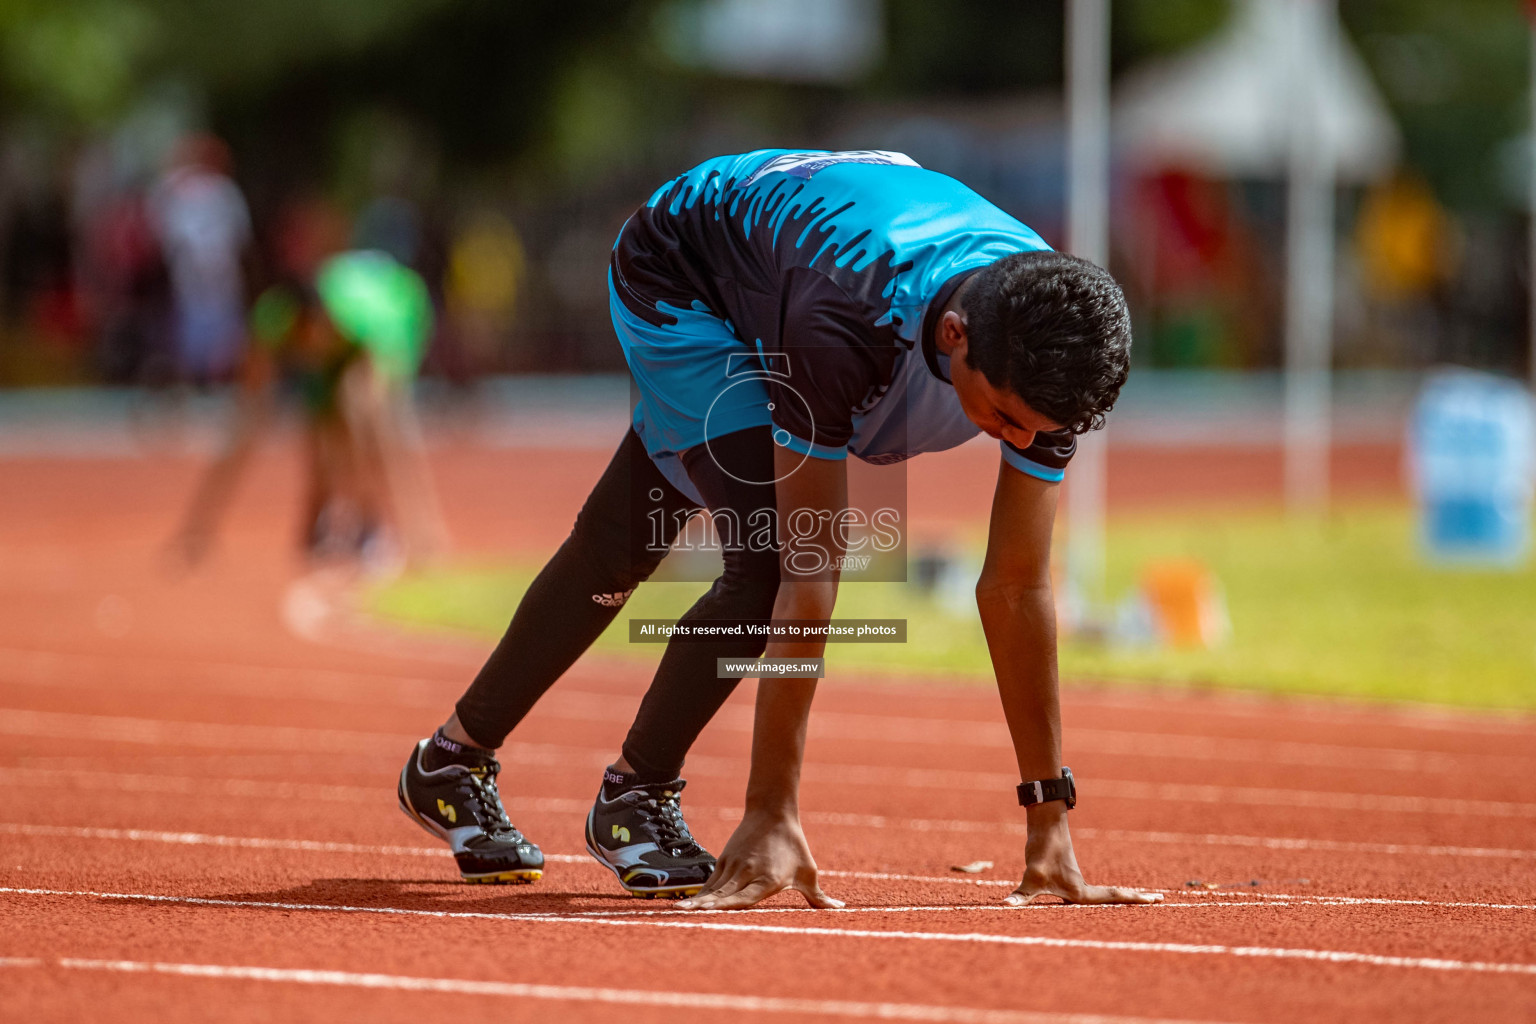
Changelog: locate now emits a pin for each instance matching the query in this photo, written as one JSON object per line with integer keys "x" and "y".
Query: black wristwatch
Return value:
{"x": 1042, "y": 790}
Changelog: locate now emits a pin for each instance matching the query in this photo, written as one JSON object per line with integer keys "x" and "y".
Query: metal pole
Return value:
{"x": 1088, "y": 237}
{"x": 1309, "y": 267}
{"x": 1531, "y": 154}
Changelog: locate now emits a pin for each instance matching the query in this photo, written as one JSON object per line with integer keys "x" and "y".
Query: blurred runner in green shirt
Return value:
{"x": 349, "y": 345}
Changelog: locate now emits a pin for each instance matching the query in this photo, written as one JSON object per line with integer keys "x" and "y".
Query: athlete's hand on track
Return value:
{"x": 766, "y": 854}
{"x": 1051, "y": 866}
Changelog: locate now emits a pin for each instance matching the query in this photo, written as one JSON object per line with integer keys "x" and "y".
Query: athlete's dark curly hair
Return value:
{"x": 1053, "y": 329}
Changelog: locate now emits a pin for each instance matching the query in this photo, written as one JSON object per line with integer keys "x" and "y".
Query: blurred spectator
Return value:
{"x": 485, "y": 270}
{"x": 1407, "y": 247}
{"x": 120, "y": 280}
{"x": 204, "y": 229}
{"x": 1404, "y": 239}
{"x": 127, "y": 291}
{"x": 390, "y": 224}
{"x": 309, "y": 229}
{"x": 1195, "y": 255}
{"x": 36, "y": 288}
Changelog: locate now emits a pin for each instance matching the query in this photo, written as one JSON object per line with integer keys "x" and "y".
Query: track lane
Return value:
{"x": 197, "y": 646}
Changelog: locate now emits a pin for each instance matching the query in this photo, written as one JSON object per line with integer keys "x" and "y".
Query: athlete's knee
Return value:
{"x": 605, "y": 567}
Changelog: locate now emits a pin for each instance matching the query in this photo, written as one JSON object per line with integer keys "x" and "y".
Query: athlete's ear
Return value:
{"x": 953, "y": 336}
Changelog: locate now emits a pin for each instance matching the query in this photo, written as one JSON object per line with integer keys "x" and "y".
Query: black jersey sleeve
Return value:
{"x": 1046, "y": 458}
{"x": 835, "y": 365}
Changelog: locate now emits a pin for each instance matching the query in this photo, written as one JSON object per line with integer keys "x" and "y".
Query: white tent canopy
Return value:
{"x": 1224, "y": 106}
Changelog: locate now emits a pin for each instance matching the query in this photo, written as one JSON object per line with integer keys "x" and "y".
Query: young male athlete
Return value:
{"x": 780, "y": 311}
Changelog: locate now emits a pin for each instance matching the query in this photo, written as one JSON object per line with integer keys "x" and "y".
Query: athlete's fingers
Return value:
{"x": 723, "y": 872}
{"x": 1026, "y": 893}
{"x": 1097, "y": 894}
{"x": 1118, "y": 894}
{"x": 1023, "y": 895}
{"x": 725, "y": 880}
{"x": 752, "y": 893}
{"x": 816, "y": 898}
{"x": 720, "y": 884}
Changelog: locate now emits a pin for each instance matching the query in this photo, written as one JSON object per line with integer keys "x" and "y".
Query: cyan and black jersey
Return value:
{"x": 802, "y": 289}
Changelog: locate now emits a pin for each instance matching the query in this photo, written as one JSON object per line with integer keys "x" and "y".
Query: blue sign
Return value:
{"x": 1473, "y": 457}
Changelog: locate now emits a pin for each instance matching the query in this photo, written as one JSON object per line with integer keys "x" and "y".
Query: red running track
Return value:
{"x": 200, "y": 818}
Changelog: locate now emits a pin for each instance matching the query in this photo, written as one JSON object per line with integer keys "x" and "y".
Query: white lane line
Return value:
{"x": 974, "y": 938}
{"x": 412, "y": 691}
{"x": 109, "y": 728}
{"x": 588, "y": 994}
{"x": 1229, "y": 704}
{"x": 584, "y": 705}
{"x": 1287, "y": 899}
{"x": 138, "y": 835}
{"x": 157, "y": 675}
{"x": 1209, "y": 897}
{"x": 322, "y": 846}
{"x": 1193, "y": 702}
{"x": 579, "y": 705}
{"x": 191, "y": 785}
{"x": 1168, "y": 792}
{"x": 206, "y": 735}
{"x": 204, "y": 786}
{"x": 878, "y": 821}
{"x": 1313, "y": 845}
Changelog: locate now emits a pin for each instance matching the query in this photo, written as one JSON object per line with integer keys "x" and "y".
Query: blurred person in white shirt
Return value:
{"x": 204, "y": 229}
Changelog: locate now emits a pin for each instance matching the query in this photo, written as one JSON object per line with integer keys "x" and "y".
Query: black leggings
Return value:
{"x": 621, "y": 535}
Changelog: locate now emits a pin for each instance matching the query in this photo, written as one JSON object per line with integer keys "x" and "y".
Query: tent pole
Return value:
{"x": 1309, "y": 269}
{"x": 1531, "y": 231}
{"x": 1088, "y": 237}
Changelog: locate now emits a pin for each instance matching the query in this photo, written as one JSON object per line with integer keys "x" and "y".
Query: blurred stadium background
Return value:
{"x": 496, "y": 147}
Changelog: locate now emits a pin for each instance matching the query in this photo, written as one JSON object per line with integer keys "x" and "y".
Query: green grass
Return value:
{"x": 1345, "y": 608}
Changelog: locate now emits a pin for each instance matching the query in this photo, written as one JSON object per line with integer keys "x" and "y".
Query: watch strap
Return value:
{"x": 1042, "y": 791}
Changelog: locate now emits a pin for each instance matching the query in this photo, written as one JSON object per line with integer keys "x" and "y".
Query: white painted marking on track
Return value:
{"x": 926, "y": 908}
{"x": 418, "y": 691}
{"x": 323, "y": 846}
{"x": 1247, "y": 897}
{"x": 1285, "y": 899}
{"x": 1226, "y": 704}
{"x": 206, "y": 786}
{"x": 204, "y": 839}
{"x": 111, "y": 728}
{"x": 1291, "y": 843}
{"x": 215, "y": 735}
{"x": 587, "y": 994}
{"x": 1333, "y": 956}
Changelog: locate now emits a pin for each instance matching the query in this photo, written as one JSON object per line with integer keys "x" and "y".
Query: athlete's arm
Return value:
{"x": 768, "y": 853}
{"x": 1019, "y": 617}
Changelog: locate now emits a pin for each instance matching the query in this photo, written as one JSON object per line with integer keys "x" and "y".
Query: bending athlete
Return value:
{"x": 884, "y": 310}
{"x": 348, "y": 344}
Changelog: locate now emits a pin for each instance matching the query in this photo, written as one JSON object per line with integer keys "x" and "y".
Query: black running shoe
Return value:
{"x": 642, "y": 838}
{"x": 459, "y": 804}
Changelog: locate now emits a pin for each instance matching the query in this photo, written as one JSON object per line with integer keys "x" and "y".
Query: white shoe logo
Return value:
{"x": 613, "y": 600}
